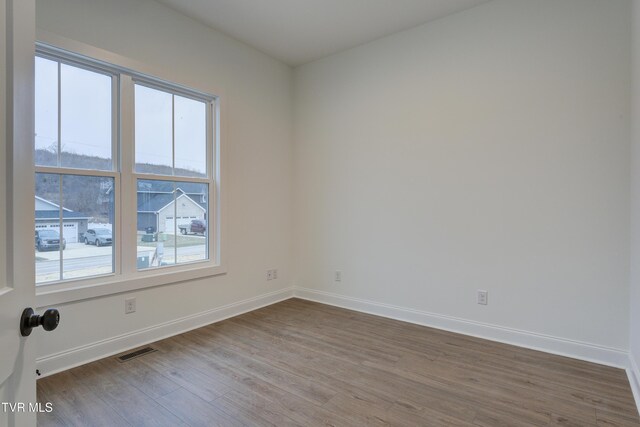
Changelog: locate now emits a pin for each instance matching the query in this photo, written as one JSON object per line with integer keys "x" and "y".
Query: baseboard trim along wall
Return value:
{"x": 51, "y": 364}
{"x": 560, "y": 346}
{"x": 633, "y": 372}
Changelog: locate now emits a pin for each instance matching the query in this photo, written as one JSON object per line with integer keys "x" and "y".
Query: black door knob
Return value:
{"x": 29, "y": 320}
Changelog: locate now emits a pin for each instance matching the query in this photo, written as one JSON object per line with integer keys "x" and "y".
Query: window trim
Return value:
{"x": 126, "y": 278}
{"x": 87, "y": 64}
{"x": 128, "y": 158}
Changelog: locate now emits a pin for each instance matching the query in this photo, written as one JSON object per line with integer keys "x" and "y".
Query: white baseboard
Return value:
{"x": 560, "y": 346}
{"x": 68, "y": 359}
{"x": 633, "y": 372}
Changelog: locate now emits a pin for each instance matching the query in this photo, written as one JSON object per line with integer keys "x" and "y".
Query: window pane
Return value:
{"x": 47, "y": 228}
{"x": 191, "y": 217}
{"x": 156, "y": 236}
{"x": 190, "y": 123}
{"x": 88, "y": 229}
{"x": 87, "y": 205}
{"x": 46, "y": 112}
{"x": 86, "y": 119}
{"x": 172, "y": 223}
{"x": 153, "y": 131}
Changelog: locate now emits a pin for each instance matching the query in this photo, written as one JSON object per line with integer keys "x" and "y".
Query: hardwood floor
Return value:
{"x": 303, "y": 363}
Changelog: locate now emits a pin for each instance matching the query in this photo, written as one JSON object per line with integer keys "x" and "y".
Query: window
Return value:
{"x": 126, "y": 173}
{"x": 170, "y": 142}
{"x": 68, "y": 207}
{"x": 74, "y": 152}
{"x": 172, "y": 222}
{"x": 170, "y": 133}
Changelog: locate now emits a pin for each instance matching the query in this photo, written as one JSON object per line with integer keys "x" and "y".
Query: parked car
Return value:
{"x": 49, "y": 239}
{"x": 98, "y": 237}
{"x": 195, "y": 226}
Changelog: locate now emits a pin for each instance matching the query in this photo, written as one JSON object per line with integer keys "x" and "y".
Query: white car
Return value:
{"x": 98, "y": 237}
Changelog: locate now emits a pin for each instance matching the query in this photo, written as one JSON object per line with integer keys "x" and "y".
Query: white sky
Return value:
{"x": 86, "y": 119}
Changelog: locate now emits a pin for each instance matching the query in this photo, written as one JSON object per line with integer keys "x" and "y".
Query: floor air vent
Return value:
{"x": 134, "y": 354}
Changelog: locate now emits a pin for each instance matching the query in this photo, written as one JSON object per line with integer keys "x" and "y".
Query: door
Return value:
{"x": 170, "y": 223}
{"x": 17, "y": 288}
{"x": 70, "y": 233}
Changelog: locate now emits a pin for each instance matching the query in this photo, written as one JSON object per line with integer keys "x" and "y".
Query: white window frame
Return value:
{"x": 126, "y": 276}
{"x": 128, "y": 83}
{"x": 46, "y": 53}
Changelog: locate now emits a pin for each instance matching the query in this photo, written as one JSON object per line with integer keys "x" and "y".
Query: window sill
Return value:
{"x": 119, "y": 284}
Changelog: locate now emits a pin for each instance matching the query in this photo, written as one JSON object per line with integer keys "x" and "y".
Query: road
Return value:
{"x": 97, "y": 261}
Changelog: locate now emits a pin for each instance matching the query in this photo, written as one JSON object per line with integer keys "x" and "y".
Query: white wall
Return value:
{"x": 634, "y": 345}
{"x": 486, "y": 150}
{"x": 257, "y": 92}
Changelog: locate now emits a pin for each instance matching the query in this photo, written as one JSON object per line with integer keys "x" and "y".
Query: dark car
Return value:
{"x": 98, "y": 237}
{"x": 49, "y": 239}
{"x": 195, "y": 226}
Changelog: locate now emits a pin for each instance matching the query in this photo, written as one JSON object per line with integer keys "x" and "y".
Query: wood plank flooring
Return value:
{"x": 307, "y": 364}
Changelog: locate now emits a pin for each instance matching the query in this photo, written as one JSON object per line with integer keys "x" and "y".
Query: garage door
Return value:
{"x": 170, "y": 222}
{"x": 70, "y": 230}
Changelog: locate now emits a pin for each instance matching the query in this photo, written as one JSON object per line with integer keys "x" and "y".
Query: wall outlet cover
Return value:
{"x": 483, "y": 297}
{"x": 129, "y": 305}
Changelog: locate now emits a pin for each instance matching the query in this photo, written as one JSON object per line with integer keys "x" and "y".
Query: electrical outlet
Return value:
{"x": 483, "y": 297}
{"x": 129, "y": 305}
{"x": 337, "y": 276}
{"x": 275, "y": 273}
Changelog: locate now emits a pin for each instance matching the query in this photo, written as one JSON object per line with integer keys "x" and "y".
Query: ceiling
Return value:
{"x": 300, "y": 31}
